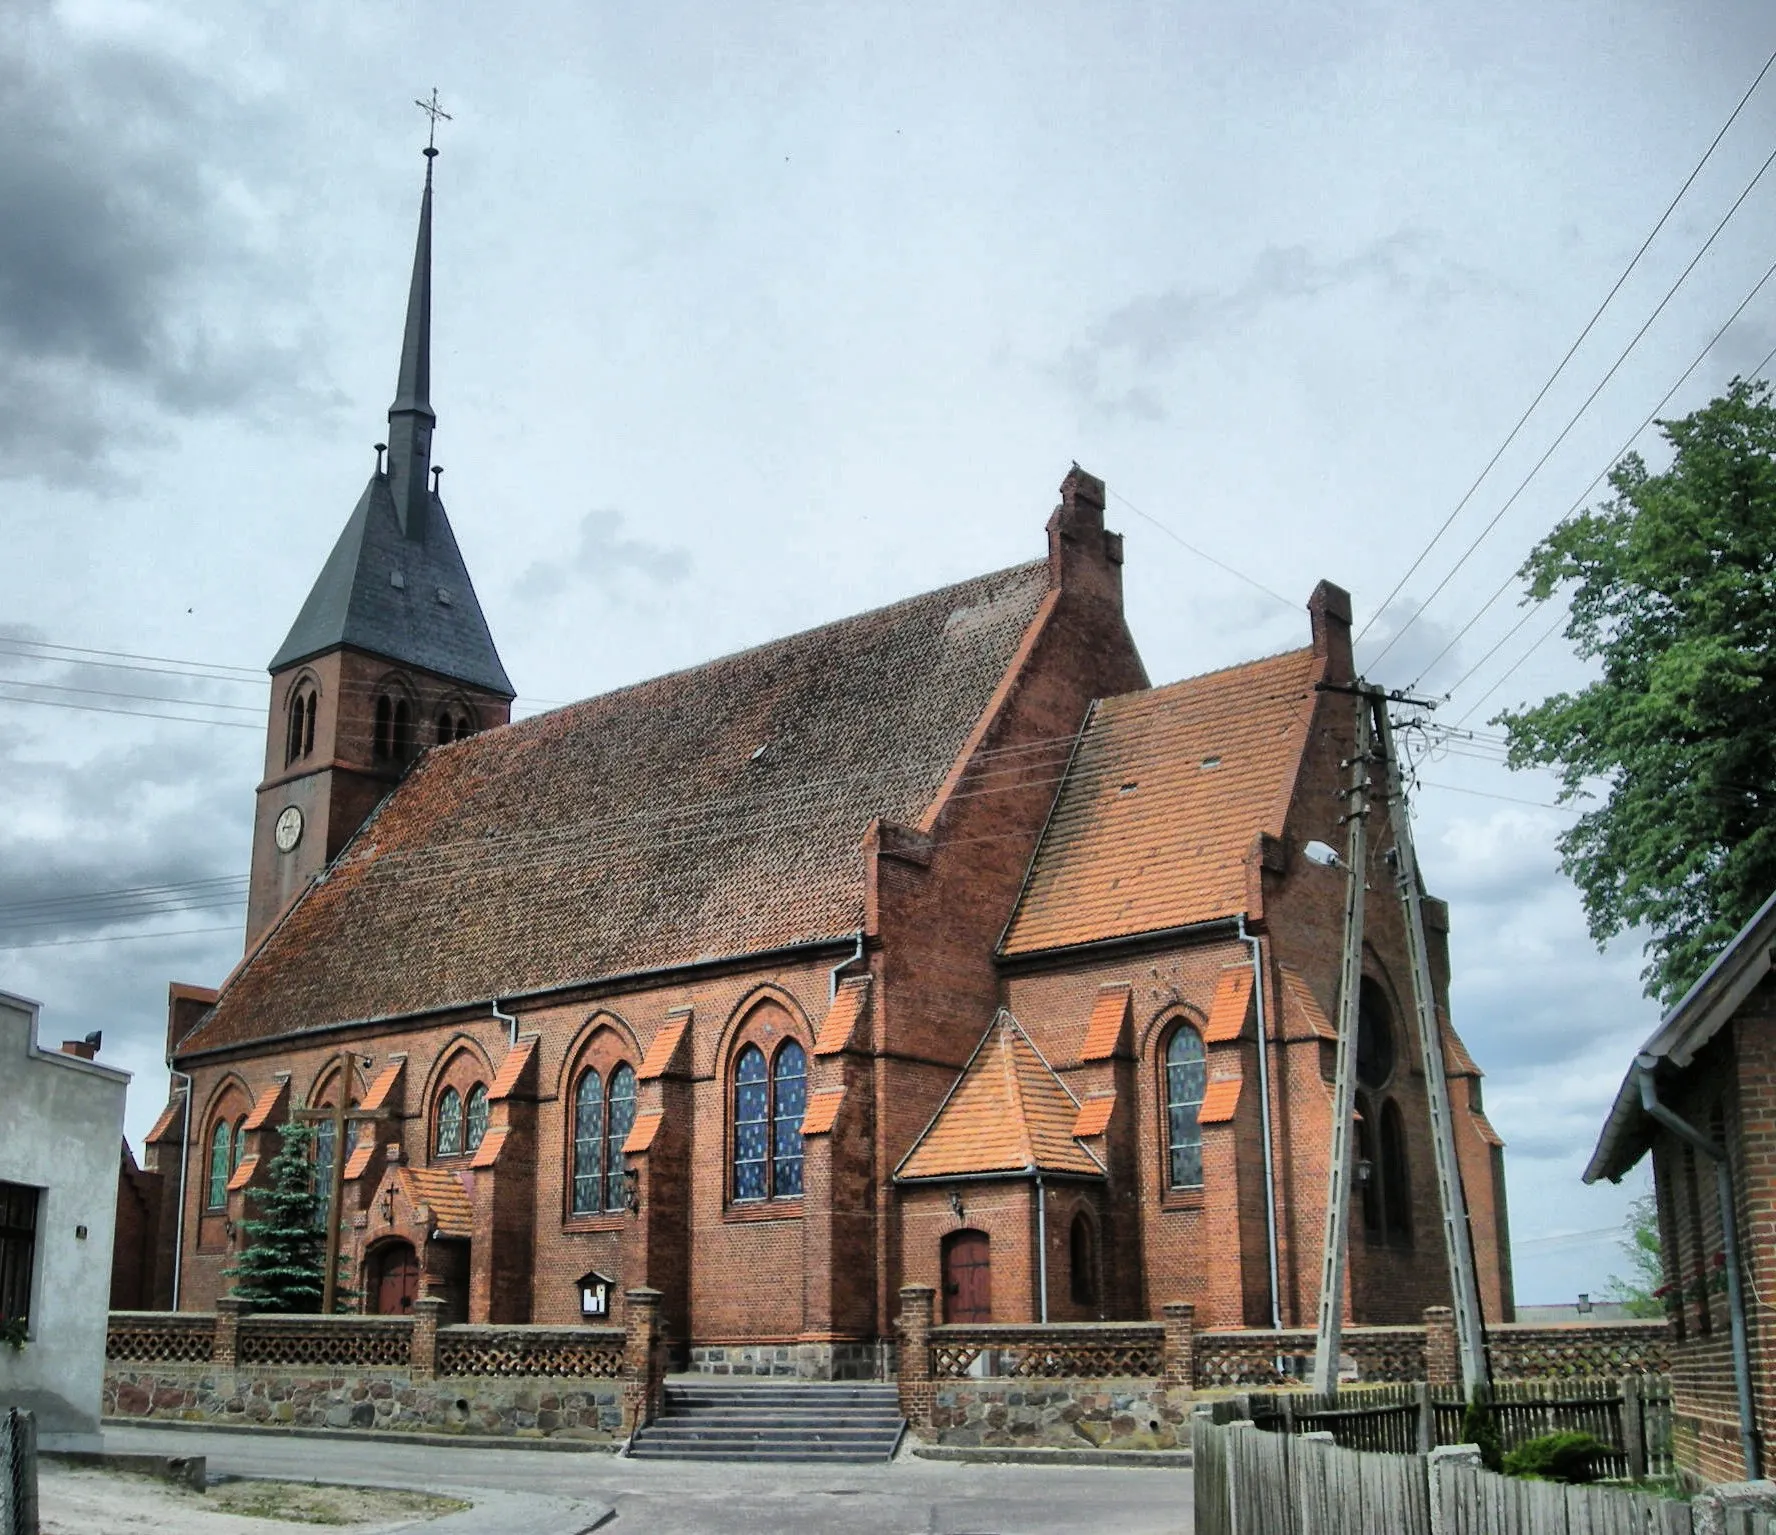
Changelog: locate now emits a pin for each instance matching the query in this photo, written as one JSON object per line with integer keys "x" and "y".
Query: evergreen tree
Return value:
{"x": 282, "y": 1266}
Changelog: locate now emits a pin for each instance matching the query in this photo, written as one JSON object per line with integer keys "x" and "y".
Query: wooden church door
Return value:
{"x": 967, "y": 1277}
{"x": 397, "y": 1280}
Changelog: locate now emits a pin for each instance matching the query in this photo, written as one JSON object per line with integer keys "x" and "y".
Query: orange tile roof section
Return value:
{"x": 512, "y": 1068}
{"x": 1227, "y": 1011}
{"x": 841, "y": 1018}
{"x": 1163, "y": 803}
{"x": 265, "y": 1105}
{"x": 1456, "y": 1060}
{"x": 1008, "y": 1112}
{"x": 492, "y": 1143}
{"x": 380, "y": 1090}
{"x": 642, "y": 1133}
{"x": 442, "y": 1190}
{"x": 1220, "y": 1099}
{"x": 1103, "y": 1034}
{"x": 243, "y": 1174}
{"x": 823, "y": 1113}
{"x": 169, "y": 1116}
{"x": 1094, "y": 1116}
{"x": 1302, "y": 1013}
{"x": 1484, "y": 1126}
{"x": 358, "y": 1163}
{"x": 658, "y": 1059}
{"x": 478, "y": 876}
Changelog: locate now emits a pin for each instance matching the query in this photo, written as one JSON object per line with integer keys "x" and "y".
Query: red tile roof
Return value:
{"x": 1456, "y": 1060}
{"x": 358, "y": 1163}
{"x": 1094, "y": 1116}
{"x": 713, "y": 812}
{"x": 1164, "y": 803}
{"x": 505, "y": 1081}
{"x": 1303, "y": 1017}
{"x": 169, "y": 1116}
{"x": 382, "y": 1089}
{"x": 822, "y": 1113}
{"x": 1232, "y": 1001}
{"x": 841, "y": 1018}
{"x": 492, "y": 1143}
{"x": 658, "y": 1059}
{"x": 442, "y": 1190}
{"x": 1220, "y": 1099}
{"x": 1484, "y": 1126}
{"x": 243, "y": 1174}
{"x": 1008, "y": 1112}
{"x": 1104, "y": 1033}
{"x": 642, "y": 1133}
{"x": 266, "y": 1105}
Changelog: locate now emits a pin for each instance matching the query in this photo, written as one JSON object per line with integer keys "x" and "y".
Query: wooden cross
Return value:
{"x": 433, "y": 111}
{"x": 339, "y": 1115}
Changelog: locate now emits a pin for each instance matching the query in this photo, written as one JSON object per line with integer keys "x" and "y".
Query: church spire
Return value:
{"x": 411, "y": 417}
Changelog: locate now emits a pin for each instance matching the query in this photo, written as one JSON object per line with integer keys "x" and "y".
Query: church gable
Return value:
{"x": 714, "y": 812}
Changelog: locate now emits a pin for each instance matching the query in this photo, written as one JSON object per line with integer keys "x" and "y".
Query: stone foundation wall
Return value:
{"x": 794, "y": 1361}
{"x": 1068, "y": 1414}
{"x": 279, "y": 1397}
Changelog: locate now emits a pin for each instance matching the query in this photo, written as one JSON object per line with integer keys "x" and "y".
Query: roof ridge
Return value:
{"x": 1014, "y": 1085}
{"x": 1220, "y": 671}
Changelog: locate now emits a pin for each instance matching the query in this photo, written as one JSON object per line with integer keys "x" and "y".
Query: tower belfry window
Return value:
{"x": 300, "y": 738}
{"x": 384, "y": 745}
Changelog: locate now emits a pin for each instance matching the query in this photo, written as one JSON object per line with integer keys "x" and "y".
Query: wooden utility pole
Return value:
{"x": 338, "y": 1117}
{"x": 1334, "y": 1254}
{"x": 1470, "y": 1332}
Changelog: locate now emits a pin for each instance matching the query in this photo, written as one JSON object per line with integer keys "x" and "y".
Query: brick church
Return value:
{"x": 932, "y": 945}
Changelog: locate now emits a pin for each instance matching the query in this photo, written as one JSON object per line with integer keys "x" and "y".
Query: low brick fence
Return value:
{"x": 1127, "y": 1385}
{"x": 406, "y": 1374}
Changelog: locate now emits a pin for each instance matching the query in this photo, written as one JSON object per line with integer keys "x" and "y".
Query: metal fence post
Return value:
{"x": 21, "y": 1479}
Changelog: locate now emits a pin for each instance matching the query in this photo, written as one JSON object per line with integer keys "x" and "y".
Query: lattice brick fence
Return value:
{"x": 1083, "y": 1351}
{"x": 577, "y": 1353}
{"x": 160, "y": 1337}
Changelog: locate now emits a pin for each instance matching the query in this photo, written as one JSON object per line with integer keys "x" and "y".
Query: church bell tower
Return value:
{"x": 390, "y": 653}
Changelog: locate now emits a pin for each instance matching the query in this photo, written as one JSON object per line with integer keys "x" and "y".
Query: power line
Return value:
{"x": 63, "y": 943}
{"x": 1589, "y": 324}
{"x": 1579, "y": 413}
{"x": 136, "y": 714}
{"x": 1203, "y": 554}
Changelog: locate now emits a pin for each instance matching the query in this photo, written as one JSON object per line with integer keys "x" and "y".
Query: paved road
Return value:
{"x": 907, "y": 1497}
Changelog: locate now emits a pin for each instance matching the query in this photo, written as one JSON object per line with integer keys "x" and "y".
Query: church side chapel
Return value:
{"x": 933, "y": 945}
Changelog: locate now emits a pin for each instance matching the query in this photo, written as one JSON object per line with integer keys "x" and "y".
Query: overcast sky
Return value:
{"x": 749, "y": 317}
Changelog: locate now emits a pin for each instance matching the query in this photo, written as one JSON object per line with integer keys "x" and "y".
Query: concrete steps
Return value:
{"x": 773, "y": 1421}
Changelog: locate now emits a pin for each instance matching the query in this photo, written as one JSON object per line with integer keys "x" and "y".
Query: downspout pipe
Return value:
{"x": 832, "y": 979}
{"x": 1041, "y": 1252}
{"x": 184, "y": 1165}
{"x": 1256, "y": 945}
{"x": 1723, "y": 1175}
{"x": 510, "y": 1021}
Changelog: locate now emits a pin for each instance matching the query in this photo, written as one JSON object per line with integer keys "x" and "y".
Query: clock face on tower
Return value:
{"x": 289, "y": 828}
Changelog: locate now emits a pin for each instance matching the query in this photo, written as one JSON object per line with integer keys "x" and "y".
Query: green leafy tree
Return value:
{"x": 1639, "y": 1289}
{"x": 284, "y": 1261}
{"x": 1673, "y": 592}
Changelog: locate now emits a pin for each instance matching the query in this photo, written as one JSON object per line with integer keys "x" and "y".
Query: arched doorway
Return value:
{"x": 967, "y": 1277}
{"x": 393, "y": 1279}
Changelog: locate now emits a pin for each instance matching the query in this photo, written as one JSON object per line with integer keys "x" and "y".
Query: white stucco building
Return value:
{"x": 61, "y": 1127}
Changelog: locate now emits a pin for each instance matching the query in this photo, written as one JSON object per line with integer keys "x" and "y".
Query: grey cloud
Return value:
{"x": 1111, "y": 369}
{"x": 1418, "y": 652}
{"x": 604, "y": 555}
{"x": 129, "y": 288}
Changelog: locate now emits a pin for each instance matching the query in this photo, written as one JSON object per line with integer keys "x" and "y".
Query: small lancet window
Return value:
{"x": 221, "y": 1141}
{"x": 475, "y": 1125}
{"x": 619, "y": 1121}
{"x": 450, "y": 1123}
{"x": 384, "y": 745}
{"x": 588, "y": 1167}
{"x": 1186, "y": 1079}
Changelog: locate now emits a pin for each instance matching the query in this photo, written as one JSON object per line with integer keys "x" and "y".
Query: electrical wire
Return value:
{"x": 1203, "y": 554}
{"x": 1589, "y": 324}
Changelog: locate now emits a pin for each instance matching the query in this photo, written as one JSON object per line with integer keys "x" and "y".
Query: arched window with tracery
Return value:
{"x": 240, "y": 1145}
{"x": 752, "y": 1119}
{"x": 789, "y": 1101}
{"x": 619, "y": 1120}
{"x": 770, "y": 1099}
{"x": 475, "y": 1118}
{"x": 1186, "y": 1079}
{"x": 300, "y": 737}
{"x": 450, "y": 1123}
{"x": 221, "y": 1144}
{"x": 588, "y": 1168}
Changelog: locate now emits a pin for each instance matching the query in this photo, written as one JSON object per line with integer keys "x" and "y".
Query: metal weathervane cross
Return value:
{"x": 434, "y": 112}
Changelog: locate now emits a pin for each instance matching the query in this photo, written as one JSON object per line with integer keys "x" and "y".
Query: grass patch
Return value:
{"x": 313, "y": 1503}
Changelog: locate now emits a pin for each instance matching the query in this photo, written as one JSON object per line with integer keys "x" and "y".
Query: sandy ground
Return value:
{"x": 83, "y": 1502}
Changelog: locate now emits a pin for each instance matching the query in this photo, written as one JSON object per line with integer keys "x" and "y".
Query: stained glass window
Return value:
{"x": 1186, "y": 1076}
{"x": 477, "y": 1117}
{"x": 240, "y": 1144}
{"x": 621, "y": 1120}
{"x": 220, "y": 1144}
{"x": 789, "y": 1098}
{"x": 323, "y": 1166}
{"x": 751, "y": 1125}
{"x": 588, "y": 1143}
{"x": 450, "y": 1123}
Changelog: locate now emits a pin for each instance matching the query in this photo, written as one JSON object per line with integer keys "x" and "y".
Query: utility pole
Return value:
{"x": 1470, "y": 1334}
{"x": 338, "y": 1117}
{"x": 1335, "y": 1253}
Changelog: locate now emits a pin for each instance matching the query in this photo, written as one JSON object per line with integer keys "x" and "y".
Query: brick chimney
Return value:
{"x": 1330, "y": 611}
{"x": 80, "y": 1048}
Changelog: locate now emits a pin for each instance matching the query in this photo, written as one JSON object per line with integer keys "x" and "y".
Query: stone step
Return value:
{"x": 735, "y": 1417}
{"x": 777, "y": 1421}
{"x": 645, "y": 1451}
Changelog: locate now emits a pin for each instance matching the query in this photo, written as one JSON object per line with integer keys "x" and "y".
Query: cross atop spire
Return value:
{"x": 433, "y": 111}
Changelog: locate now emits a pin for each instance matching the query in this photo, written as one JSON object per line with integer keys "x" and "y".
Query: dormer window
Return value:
{"x": 300, "y": 737}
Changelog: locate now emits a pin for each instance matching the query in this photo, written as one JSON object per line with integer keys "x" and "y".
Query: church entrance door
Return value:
{"x": 394, "y": 1279}
{"x": 967, "y": 1277}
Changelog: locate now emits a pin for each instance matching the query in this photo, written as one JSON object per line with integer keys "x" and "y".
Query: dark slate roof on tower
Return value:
{"x": 714, "y": 812}
{"x": 407, "y": 599}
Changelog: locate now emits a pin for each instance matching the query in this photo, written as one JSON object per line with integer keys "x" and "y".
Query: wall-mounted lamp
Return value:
{"x": 1365, "y": 1171}
{"x": 228, "y": 1227}
{"x": 956, "y": 1204}
{"x": 388, "y": 1206}
{"x": 632, "y": 1189}
{"x": 1323, "y": 854}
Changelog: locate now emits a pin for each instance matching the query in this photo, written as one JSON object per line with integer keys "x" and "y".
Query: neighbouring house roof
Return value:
{"x": 1007, "y": 1113}
{"x": 1694, "y": 1019}
{"x": 713, "y": 812}
{"x": 442, "y": 1190}
{"x": 1164, "y": 803}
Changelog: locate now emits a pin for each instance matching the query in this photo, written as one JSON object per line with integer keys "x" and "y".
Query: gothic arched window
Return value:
{"x": 1396, "y": 1185}
{"x": 403, "y": 730}
{"x": 475, "y": 1121}
{"x": 1369, "y": 1170}
{"x": 240, "y": 1146}
{"x": 221, "y": 1143}
{"x": 1082, "y": 1261}
{"x": 384, "y": 742}
{"x": 769, "y": 1102}
{"x": 789, "y": 1099}
{"x": 299, "y": 739}
{"x": 450, "y": 1123}
{"x": 588, "y": 1164}
{"x": 619, "y": 1120}
{"x": 752, "y": 1119}
{"x": 1186, "y": 1079}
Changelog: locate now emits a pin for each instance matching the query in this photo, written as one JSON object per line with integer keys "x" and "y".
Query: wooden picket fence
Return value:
{"x": 1253, "y": 1482}
{"x": 1633, "y": 1414}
